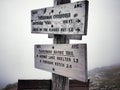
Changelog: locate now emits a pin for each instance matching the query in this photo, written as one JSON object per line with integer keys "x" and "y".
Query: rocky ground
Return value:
{"x": 105, "y": 78}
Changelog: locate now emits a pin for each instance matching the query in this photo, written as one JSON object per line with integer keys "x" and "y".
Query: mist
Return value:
{"x": 17, "y": 42}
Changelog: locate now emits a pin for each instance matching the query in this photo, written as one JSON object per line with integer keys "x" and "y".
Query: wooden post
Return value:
{"x": 60, "y": 82}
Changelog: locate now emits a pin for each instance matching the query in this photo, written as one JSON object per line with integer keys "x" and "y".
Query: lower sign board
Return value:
{"x": 64, "y": 59}
{"x": 61, "y": 19}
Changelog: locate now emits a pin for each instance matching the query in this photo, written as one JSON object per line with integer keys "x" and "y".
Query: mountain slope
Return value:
{"x": 105, "y": 77}
{"x": 11, "y": 87}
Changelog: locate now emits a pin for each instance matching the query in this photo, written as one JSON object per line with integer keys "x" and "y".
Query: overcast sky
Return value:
{"x": 17, "y": 42}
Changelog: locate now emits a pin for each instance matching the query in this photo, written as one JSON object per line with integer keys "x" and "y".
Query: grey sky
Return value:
{"x": 17, "y": 42}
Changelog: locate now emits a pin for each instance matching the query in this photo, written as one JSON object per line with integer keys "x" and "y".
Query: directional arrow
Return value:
{"x": 78, "y": 20}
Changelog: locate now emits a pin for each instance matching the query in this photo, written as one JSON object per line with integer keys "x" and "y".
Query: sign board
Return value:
{"x": 64, "y": 59}
{"x": 61, "y": 19}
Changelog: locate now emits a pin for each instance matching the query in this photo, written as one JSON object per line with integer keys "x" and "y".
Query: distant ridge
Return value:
{"x": 10, "y": 87}
{"x": 106, "y": 69}
{"x": 107, "y": 77}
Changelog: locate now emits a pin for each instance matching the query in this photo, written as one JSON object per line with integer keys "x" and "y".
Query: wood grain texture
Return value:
{"x": 71, "y": 37}
{"x": 64, "y": 59}
{"x": 62, "y": 19}
{"x": 58, "y": 80}
{"x": 46, "y": 85}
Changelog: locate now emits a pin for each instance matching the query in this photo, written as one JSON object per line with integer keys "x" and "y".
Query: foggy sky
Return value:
{"x": 17, "y": 42}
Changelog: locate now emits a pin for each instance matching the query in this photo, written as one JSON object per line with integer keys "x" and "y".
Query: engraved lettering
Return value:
{"x": 66, "y": 15}
{"x": 44, "y": 17}
{"x": 69, "y": 53}
{"x": 47, "y": 62}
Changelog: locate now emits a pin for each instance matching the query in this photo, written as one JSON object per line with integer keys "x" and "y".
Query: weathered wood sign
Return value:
{"x": 61, "y": 19}
{"x": 64, "y": 59}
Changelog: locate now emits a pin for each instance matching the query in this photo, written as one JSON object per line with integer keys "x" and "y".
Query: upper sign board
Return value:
{"x": 61, "y": 19}
{"x": 63, "y": 59}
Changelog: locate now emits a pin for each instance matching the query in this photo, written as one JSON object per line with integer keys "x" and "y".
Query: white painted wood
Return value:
{"x": 64, "y": 59}
{"x": 61, "y": 19}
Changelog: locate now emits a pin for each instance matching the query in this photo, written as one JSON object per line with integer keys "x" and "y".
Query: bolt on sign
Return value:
{"x": 64, "y": 59}
{"x": 61, "y": 19}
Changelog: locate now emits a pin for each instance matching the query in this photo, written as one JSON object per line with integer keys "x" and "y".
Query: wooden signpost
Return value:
{"x": 64, "y": 59}
{"x": 61, "y": 19}
{"x": 62, "y": 22}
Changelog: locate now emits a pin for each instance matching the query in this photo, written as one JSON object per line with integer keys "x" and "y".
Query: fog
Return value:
{"x": 17, "y": 42}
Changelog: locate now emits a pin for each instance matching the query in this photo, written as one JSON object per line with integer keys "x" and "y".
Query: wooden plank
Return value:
{"x": 34, "y": 84}
{"x": 64, "y": 59}
{"x": 59, "y": 80}
{"x": 72, "y": 37}
{"x": 46, "y": 85}
{"x": 61, "y": 19}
